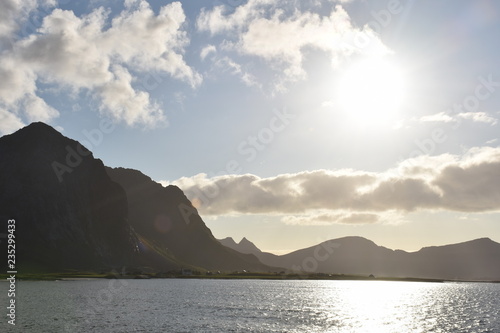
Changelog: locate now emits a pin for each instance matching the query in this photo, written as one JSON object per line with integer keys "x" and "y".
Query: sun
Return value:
{"x": 370, "y": 92}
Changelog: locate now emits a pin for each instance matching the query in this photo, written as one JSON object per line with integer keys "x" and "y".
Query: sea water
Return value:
{"x": 197, "y": 305}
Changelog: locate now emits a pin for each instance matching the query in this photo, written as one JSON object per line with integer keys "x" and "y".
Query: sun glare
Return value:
{"x": 371, "y": 92}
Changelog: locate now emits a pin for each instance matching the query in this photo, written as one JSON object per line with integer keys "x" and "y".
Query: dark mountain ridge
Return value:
{"x": 477, "y": 260}
{"x": 68, "y": 212}
{"x": 72, "y": 212}
{"x": 244, "y": 246}
{"x": 165, "y": 216}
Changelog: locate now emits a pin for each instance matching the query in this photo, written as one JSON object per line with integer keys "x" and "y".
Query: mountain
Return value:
{"x": 167, "y": 218}
{"x": 71, "y": 212}
{"x": 244, "y": 246}
{"x": 68, "y": 212}
{"x": 478, "y": 259}
{"x": 474, "y": 260}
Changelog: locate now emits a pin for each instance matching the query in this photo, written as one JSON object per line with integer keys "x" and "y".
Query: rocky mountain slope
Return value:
{"x": 72, "y": 212}
{"x": 166, "y": 217}
{"x": 68, "y": 212}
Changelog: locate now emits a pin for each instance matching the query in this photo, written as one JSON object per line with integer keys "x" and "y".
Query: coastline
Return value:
{"x": 89, "y": 276}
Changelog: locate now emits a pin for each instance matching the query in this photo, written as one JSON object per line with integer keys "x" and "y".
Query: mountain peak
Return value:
{"x": 229, "y": 242}
{"x": 38, "y": 130}
{"x": 39, "y": 125}
{"x": 34, "y": 133}
{"x": 482, "y": 242}
{"x": 244, "y": 246}
{"x": 244, "y": 240}
{"x": 72, "y": 213}
{"x": 484, "y": 239}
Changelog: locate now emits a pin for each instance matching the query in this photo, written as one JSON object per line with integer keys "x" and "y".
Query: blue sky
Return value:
{"x": 286, "y": 122}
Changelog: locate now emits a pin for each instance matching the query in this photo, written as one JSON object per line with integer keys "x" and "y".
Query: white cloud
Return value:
{"x": 322, "y": 218}
{"x": 467, "y": 183}
{"x": 121, "y": 101}
{"x": 9, "y": 122}
{"x": 97, "y": 53}
{"x": 478, "y": 117}
{"x": 219, "y": 20}
{"x": 332, "y": 218}
{"x": 438, "y": 117}
{"x": 225, "y": 64}
{"x": 12, "y": 14}
{"x": 265, "y": 30}
{"x": 164, "y": 183}
{"x": 492, "y": 141}
{"x": 207, "y": 50}
{"x": 37, "y": 110}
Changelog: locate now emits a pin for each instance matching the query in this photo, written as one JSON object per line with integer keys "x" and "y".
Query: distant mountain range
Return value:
{"x": 73, "y": 213}
{"x": 474, "y": 260}
{"x": 244, "y": 246}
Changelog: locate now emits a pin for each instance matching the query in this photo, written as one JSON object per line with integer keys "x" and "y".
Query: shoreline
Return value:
{"x": 232, "y": 276}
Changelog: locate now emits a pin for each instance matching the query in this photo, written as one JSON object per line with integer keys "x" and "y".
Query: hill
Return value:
{"x": 477, "y": 260}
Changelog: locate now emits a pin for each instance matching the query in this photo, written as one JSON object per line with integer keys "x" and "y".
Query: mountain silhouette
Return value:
{"x": 165, "y": 216}
{"x": 476, "y": 260}
{"x": 72, "y": 212}
{"x": 244, "y": 246}
{"x": 68, "y": 212}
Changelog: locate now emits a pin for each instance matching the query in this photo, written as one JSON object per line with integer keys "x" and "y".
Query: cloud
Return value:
{"x": 266, "y": 30}
{"x": 37, "y": 109}
{"x": 226, "y": 64}
{"x": 9, "y": 122}
{"x": 478, "y": 117}
{"x": 207, "y": 50}
{"x": 121, "y": 101}
{"x": 13, "y": 13}
{"x": 329, "y": 218}
{"x": 438, "y": 117}
{"x": 291, "y": 193}
{"x": 97, "y": 53}
{"x": 492, "y": 141}
{"x": 467, "y": 183}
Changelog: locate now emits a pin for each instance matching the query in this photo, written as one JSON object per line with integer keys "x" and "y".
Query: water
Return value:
{"x": 180, "y": 305}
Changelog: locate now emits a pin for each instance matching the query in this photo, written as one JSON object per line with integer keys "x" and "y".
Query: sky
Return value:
{"x": 286, "y": 122}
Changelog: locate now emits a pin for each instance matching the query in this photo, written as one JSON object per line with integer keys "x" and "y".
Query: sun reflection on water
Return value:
{"x": 380, "y": 306}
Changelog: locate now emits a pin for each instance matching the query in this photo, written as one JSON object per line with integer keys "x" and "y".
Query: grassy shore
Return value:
{"x": 77, "y": 275}
{"x": 235, "y": 275}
